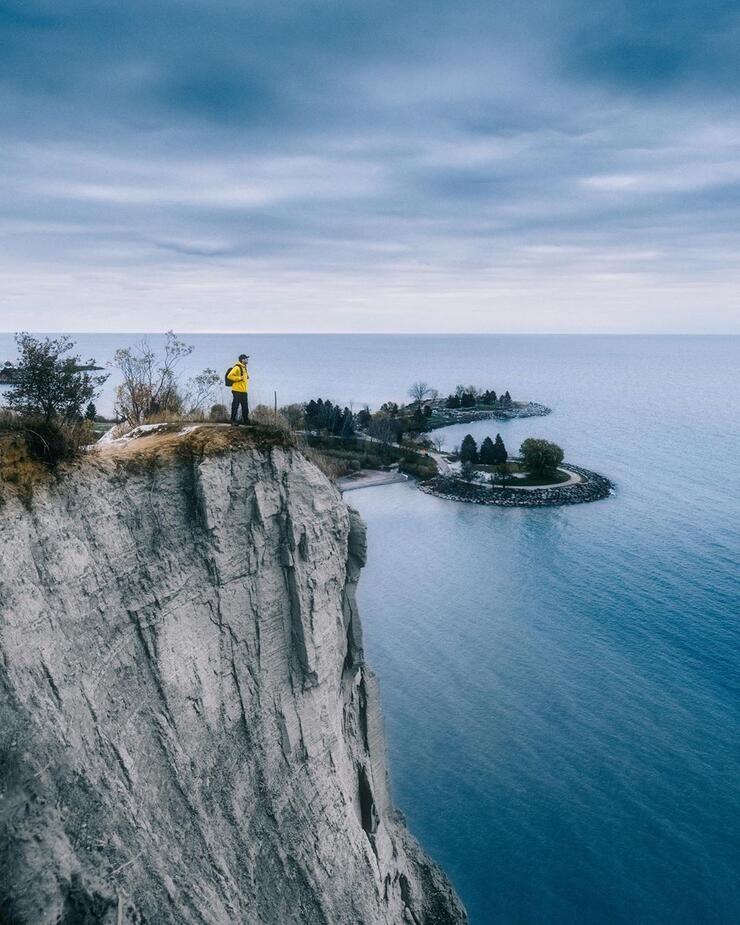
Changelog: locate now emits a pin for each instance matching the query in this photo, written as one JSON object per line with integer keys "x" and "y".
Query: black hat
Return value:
{"x": 243, "y": 356}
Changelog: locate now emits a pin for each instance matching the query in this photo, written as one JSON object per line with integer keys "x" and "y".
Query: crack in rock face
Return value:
{"x": 188, "y": 730}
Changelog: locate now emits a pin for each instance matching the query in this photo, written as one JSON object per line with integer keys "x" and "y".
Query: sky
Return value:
{"x": 223, "y": 165}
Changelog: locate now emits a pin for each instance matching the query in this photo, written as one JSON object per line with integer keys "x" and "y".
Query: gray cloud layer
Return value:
{"x": 566, "y": 165}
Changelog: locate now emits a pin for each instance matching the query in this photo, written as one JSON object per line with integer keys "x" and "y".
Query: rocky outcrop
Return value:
{"x": 188, "y": 730}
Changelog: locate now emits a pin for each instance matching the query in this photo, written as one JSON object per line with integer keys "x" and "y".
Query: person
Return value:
{"x": 238, "y": 376}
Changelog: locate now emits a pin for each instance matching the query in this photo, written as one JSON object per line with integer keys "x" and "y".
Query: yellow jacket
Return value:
{"x": 239, "y": 378}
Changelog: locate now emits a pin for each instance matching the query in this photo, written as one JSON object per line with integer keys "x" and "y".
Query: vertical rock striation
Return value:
{"x": 188, "y": 731}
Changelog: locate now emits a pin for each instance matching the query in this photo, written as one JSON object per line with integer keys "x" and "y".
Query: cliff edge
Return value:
{"x": 188, "y": 730}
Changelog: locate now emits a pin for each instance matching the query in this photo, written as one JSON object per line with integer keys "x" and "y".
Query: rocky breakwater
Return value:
{"x": 188, "y": 730}
{"x": 591, "y": 487}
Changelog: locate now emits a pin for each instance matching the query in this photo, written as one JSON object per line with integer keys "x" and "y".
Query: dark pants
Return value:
{"x": 239, "y": 400}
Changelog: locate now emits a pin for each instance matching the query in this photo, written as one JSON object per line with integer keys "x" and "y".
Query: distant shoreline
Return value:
{"x": 447, "y": 417}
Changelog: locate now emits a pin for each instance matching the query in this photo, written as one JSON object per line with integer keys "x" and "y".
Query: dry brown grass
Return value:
{"x": 204, "y": 440}
{"x": 328, "y": 466}
{"x": 19, "y": 471}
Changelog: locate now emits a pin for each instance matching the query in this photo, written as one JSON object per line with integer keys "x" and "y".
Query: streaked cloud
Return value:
{"x": 369, "y": 166}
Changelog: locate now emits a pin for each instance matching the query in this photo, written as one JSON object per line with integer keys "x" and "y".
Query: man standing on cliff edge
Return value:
{"x": 238, "y": 378}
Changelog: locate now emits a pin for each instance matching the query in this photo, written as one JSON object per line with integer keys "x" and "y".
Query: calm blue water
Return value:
{"x": 561, "y": 687}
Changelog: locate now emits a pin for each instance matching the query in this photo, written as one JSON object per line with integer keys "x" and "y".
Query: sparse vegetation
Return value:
{"x": 50, "y": 383}
{"x": 50, "y": 410}
{"x": 151, "y": 389}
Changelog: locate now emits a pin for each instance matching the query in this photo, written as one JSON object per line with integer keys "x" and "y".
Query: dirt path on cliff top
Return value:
{"x": 164, "y": 438}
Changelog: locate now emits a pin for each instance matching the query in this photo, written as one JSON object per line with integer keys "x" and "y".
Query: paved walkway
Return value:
{"x": 573, "y": 480}
{"x": 444, "y": 467}
{"x": 369, "y": 478}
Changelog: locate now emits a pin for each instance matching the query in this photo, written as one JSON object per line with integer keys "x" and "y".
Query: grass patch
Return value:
{"x": 526, "y": 479}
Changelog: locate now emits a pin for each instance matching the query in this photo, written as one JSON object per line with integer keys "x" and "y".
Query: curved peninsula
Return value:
{"x": 582, "y": 486}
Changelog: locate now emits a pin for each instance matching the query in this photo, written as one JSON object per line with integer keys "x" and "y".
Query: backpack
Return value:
{"x": 228, "y": 381}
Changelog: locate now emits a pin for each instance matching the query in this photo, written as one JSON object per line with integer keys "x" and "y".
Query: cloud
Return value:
{"x": 173, "y": 157}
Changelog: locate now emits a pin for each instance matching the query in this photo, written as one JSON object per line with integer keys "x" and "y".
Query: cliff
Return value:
{"x": 188, "y": 730}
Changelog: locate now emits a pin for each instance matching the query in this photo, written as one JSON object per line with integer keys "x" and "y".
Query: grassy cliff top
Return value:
{"x": 196, "y": 439}
{"x": 21, "y": 471}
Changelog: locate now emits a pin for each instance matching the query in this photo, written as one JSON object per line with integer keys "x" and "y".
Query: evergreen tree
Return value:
{"x": 364, "y": 417}
{"x": 50, "y": 384}
{"x": 91, "y": 411}
{"x": 347, "y": 423}
{"x": 310, "y": 415}
{"x": 499, "y": 452}
{"x": 453, "y": 401}
{"x": 468, "y": 450}
{"x": 487, "y": 452}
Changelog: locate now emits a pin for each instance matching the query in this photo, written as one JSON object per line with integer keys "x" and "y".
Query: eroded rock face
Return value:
{"x": 188, "y": 731}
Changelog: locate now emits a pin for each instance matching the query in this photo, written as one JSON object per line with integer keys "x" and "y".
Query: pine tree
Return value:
{"x": 468, "y": 450}
{"x": 364, "y": 417}
{"x": 487, "y": 452}
{"x": 499, "y": 451}
{"x": 348, "y": 423}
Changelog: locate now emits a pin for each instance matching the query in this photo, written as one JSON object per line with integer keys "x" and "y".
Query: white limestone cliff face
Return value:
{"x": 188, "y": 731}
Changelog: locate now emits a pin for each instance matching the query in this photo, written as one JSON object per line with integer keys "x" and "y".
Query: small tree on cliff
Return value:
{"x": 468, "y": 450}
{"x": 149, "y": 382}
{"x": 49, "y": 384}
{"x": 540, "y": 457}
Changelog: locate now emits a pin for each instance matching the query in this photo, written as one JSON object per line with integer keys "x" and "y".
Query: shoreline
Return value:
{"x": 530, "y": 409}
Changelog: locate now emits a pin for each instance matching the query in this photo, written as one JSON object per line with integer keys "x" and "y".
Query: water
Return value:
{"x": 561, "y": 687}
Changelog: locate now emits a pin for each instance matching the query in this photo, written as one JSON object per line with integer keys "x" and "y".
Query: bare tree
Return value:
{"x": 149, "y": 381}
{"x": 438, "y": 443}
{"x": 201, "y": 391}
{"x": 419, "y": 391}
{"x": 383, "y": 428}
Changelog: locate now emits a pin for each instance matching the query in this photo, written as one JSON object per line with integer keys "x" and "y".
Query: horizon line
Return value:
{"x": 395, "y": 333}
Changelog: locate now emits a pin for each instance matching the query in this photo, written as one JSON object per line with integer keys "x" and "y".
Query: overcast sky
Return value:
{"x": 415, "y": 165}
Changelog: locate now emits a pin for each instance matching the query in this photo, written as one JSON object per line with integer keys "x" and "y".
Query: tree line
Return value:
{"x": 540, "y": 457}
{"x": 472, "y": 398}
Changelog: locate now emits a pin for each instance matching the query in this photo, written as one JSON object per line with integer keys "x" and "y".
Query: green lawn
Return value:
{"x": 528, "y": 481}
